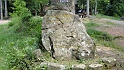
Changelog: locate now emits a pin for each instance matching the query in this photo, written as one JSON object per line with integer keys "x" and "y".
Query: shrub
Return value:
{"x": 21, "y": 12}
{"x": 35, "y": 24}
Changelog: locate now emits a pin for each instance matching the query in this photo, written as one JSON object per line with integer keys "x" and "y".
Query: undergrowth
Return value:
{"x": 16, "y": 47}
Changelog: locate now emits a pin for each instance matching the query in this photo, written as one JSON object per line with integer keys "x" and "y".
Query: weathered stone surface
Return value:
{"x": 95, "y": 67}
{"x": 55, "y": 66}
{"x": 65, "y": 36}
{"x": 79, "y": 67}
{"x": 109, "y": 62}
{"x": 37, "y": 53}
{"x": 44, "y": 64}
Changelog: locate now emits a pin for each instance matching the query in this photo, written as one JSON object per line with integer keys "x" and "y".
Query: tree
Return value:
{"x": 87, "y": 7}
{"x": 1, "y": 9}
{"x": 36, "y": 6}
{"x": 111, "y": 7}
{"x": 95, "y": 7}
{"x": 6, "y": 11}
{"x": 73, "y": 6}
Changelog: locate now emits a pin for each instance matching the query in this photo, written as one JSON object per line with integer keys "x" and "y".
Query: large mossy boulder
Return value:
{"x": 65, "y": 36}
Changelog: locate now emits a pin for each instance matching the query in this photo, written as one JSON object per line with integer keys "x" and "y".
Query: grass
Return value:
{"x": 92, "y": 24}
{"x": 109, "y": 17}
{"x": 16, "y": 48}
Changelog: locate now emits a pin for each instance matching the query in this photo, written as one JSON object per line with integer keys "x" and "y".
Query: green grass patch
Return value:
{"x": 91, "y": 24}
{"x": 109, "y": 17}
{"x": 99, "y": 35}
{"x": 16, "y": 47}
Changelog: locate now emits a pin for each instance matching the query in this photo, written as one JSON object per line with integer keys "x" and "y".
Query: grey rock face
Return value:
{"x": 95, "y": 67}
{"x": 37, "y": 53}
{"x": 109, "y": 62}
{"x": 55, "y": 66}
{"x": 65, "y": 36}
{"x": 79, "y": 67}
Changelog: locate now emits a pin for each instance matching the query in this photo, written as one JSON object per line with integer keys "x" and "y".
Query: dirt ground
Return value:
{"x": 4, "y": 22}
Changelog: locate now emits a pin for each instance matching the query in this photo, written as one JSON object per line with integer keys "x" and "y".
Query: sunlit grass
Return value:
{"x": 105, "y": 16}
{"x": 13, "y": 46}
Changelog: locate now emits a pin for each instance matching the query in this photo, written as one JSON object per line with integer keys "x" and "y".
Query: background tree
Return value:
{"x": 1, "y": 9}
{"x": 6, "y": 11}
{"x": 87, "y": 7}
{"x": 106, "y": 7}
{"x": 36, "y": 6}
{"x": 111, "y": 7}
{"x": 95, "y": 7}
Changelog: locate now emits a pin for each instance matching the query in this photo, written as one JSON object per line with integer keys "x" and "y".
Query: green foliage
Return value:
{"x": 107, "y": 7}
{"x": 20, "y": 15}
{"x": 16, "y": 49}
{"x": 20, "y": 38}
{"x": 35, "y": 24}
{"x": 20, "y": 10}
{"x": 36, "y": 6}
{"x": 111, "y": 7}
{"x": 15, "y": 21}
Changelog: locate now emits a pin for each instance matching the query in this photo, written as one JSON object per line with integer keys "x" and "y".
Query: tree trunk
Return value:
{"x": 6, "y": 11}
{"x": 111, "y": 9}
{"x": 35, "y": 9}
{"x": 95, "y": 7}
{"x": 73, "y": 6}
{"x": 1, "y": 10}
{"x": 87, "y": 7}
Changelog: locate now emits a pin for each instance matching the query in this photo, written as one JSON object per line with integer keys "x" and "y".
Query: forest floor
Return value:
{"x": 114, "y": 28}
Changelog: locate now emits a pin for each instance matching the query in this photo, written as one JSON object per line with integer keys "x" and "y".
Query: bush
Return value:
{"x": 20, "y": 15}
{"x": 35, "y": 24}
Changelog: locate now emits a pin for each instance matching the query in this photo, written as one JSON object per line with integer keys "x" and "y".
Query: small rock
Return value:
{"x": 109, "y": 62}
{"x": 44, "y": 64}
{"x": 79, "y": 67}
{"x": 37, "y": 53}
{"x": 55, "y": 66}
{"x": 95, "y": 67}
